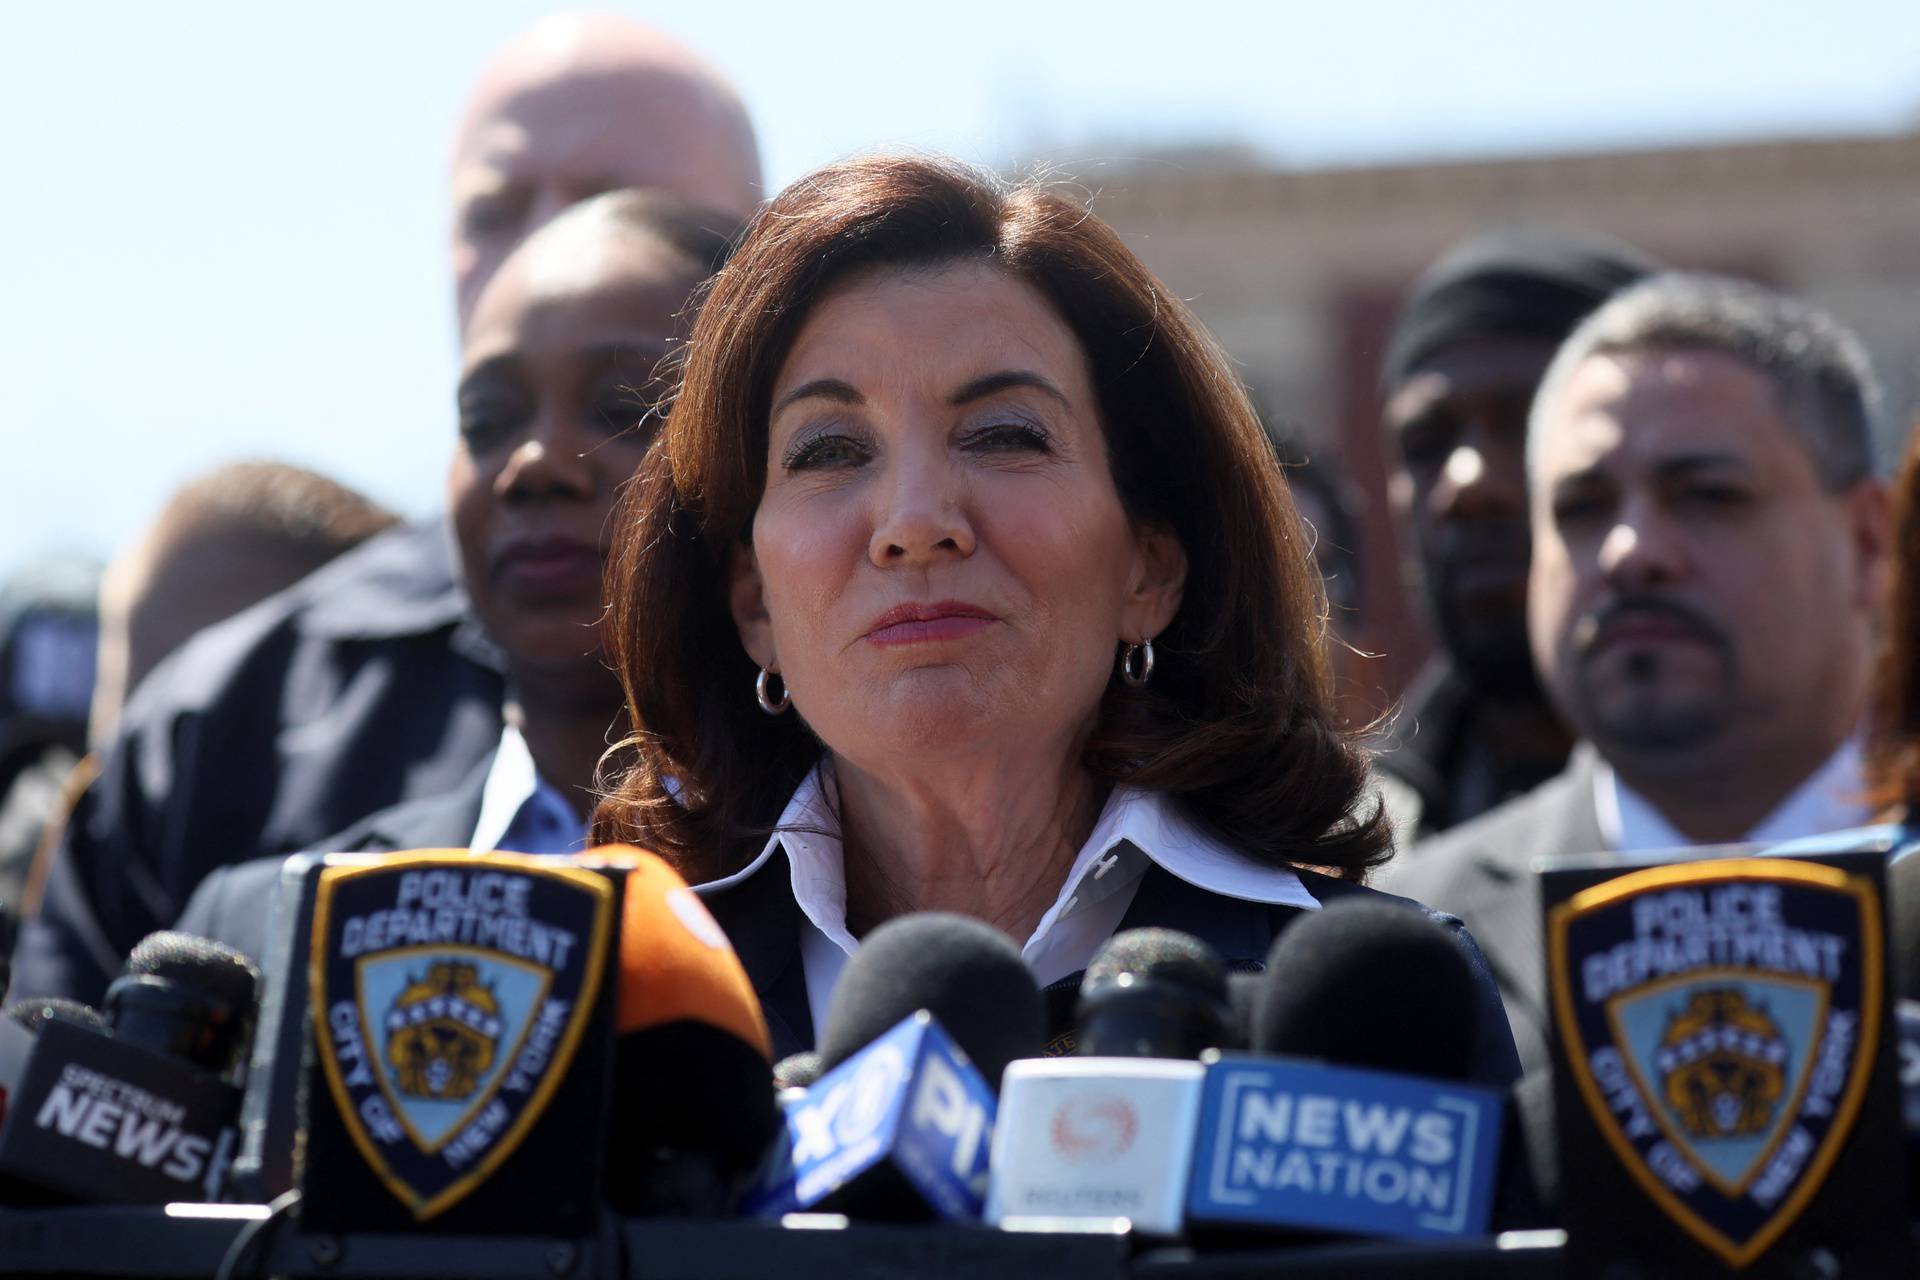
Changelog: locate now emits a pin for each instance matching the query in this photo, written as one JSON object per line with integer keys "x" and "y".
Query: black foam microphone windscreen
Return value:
{"x": 692, "y": 1106}
{"x": 964, "y": 972}
{"x": 1369, "y": 983}
{"x": 186, "y": 997}
{"x": 1153, "y": 993}
{"x": 1243, "y": 993}
{"x": 35, "y": 1012}
{"x": 797, "y": 1070}
{"x": 138, "y": 1106}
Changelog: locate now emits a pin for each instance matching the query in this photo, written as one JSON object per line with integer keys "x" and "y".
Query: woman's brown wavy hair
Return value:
{"x": 1236, "y": 724}
{"x": 1893, "y": 726}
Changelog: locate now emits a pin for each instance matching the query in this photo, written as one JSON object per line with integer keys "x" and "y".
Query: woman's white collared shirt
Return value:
{"x": 1136, "y": 827}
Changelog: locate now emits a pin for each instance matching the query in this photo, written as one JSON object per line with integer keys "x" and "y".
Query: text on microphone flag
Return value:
{"x": 1720, "y": 1021}
{"x": 449, "y": 995}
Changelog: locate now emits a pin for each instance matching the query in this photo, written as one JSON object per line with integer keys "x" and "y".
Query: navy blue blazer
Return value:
{"x": 761, "y": 917}
{"x": 232, "y": 904}
{"x": 763, "y": 921}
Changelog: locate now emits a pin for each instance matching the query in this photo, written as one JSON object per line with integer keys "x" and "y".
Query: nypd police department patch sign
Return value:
{"x": 1721, "y": 1021}
{"x": 449, "y": 994}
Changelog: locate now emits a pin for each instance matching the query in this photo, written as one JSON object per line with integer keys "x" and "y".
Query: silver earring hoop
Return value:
{"x": 1136, "y": 664}
{"x": 774, "y": 707}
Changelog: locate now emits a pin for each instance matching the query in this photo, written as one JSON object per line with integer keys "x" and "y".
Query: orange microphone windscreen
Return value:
{"x": 676, "y": 964}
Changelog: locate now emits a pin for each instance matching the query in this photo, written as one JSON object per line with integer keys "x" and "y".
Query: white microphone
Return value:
{"x": 1095, "y": 1138}
{"x": 1111, "y": 1135}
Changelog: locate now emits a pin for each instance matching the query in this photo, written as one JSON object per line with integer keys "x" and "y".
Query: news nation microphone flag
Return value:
{"x": 1721, "y": 1027}
{"x": 449, "y": 995}
{"x": 910, "y": 1106}
{"x": 1297, "y": 1144}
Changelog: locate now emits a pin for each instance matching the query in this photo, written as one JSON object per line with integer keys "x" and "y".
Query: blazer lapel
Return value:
{"x": 763, "y": 922}
{"x": 444, "y": 821}
{"x": 1241, "y": 931}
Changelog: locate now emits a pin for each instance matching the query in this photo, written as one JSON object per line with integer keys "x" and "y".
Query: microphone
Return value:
{"x": 966, "y": 973}
{"x": 1334, "y": 977}
{"x": 1153, "y": 993}
{"x": 692, "y": 1111}
{"x": 797, "y": 1070}
{"x": 140, "y": 1108}
{"x": 928, "y": 1015}
{"x": 457, "y": 1030}
{"x": 1108, "y": 1134}
{"x": 1243, "y": 990}
{"x": 18, "y": 1029}
{"x": 472, "y": 1016}
{"x": 1726, "y": 1060}
{"x": 1903, "y": 910}
{"x": 35, "y": 1012}
{"x": 1527, "y": 1189}
{"x": 186, "y": 997}
{"x": 275, "y": 1097}
{"x": 1366, "y": 1126}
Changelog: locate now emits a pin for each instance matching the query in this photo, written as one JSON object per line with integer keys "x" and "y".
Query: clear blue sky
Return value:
{"x": 224, "y": 224}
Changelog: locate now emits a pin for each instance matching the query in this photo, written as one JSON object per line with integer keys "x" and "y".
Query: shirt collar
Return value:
{"x": 520, "y": 810}
{"x": 1832, "y": 798}
{"x": 1135, "y": 827}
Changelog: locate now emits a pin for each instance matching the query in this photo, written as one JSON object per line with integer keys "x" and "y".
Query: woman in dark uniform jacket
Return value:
{"x": 964, "y": 578}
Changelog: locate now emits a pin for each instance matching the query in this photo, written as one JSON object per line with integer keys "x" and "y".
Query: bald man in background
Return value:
{"x": 578, "y": 106}
{"x": 370, "y": 683}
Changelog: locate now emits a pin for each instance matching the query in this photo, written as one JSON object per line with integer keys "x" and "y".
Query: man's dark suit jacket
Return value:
{"x": 361, "y": 686}
{"x": 233, "y": 904}
{"x": 763, "y": 921}
{"x": 1481, "y": 872}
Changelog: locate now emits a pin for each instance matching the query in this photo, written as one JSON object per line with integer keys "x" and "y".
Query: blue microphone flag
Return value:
{"x": 1300, "y": 1145}
{"x": 912, "y": 1100}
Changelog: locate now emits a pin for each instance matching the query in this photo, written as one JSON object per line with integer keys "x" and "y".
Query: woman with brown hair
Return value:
{"x": 963, "y": 578}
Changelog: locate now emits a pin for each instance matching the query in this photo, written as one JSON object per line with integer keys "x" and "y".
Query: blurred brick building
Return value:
{"x": 1298, "y": 273}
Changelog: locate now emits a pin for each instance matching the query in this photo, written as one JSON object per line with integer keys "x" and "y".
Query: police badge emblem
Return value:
{"x": 1721, "y": 1021}
{"x": 449, "y": 995}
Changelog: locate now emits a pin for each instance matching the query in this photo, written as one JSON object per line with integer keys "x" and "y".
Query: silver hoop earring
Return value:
{"x": 1136, "y": 664}
{"x": 767, "y": 702}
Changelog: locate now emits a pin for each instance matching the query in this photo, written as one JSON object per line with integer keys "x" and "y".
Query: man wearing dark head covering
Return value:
{"x": 1465, "y": 355}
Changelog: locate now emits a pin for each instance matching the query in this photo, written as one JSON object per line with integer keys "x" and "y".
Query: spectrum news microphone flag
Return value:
{"x": 1724, "y": 1063}
{"x": 138, "y": 1106}
{"x": 467, "y": 1015}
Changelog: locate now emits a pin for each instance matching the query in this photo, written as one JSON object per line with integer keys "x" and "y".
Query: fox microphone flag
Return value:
{"x": 910, "y": 1109}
